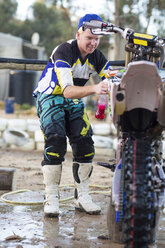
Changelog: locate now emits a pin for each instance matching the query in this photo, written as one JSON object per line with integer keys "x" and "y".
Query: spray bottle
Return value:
{"x": 101, "y": 105}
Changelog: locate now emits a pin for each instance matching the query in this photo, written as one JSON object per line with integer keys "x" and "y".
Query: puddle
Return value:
{"x": 161, "y": 234}
{"x": 26, "y": 226}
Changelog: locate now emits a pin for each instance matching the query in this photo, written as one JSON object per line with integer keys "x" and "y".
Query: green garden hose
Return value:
{"x": 3, "y": 197}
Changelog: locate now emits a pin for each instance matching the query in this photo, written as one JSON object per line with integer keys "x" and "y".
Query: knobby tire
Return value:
{"x": 136, "y": 226}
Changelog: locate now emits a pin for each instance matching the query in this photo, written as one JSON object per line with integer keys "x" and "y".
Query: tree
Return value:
{"x": 53, "y": 20}
{"x": 137, "y": 15}
{"x": 53, "y": 24}
{"x": 155, "y": 12}
{"x": 7, "y": 11}
{"x": 50, "y": 19}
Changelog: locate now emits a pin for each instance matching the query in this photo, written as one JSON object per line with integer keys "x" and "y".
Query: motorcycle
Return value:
{"x": 137, "y": 103}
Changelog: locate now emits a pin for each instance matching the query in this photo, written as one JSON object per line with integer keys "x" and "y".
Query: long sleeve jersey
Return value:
{"x": 66, "y": 67}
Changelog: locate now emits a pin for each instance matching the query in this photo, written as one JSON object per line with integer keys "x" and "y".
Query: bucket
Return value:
{"x": 7, "y": 179}
{"x": 9, "y": 105}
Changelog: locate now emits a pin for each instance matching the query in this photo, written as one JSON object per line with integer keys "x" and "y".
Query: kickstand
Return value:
{"x": 108, "y": 165}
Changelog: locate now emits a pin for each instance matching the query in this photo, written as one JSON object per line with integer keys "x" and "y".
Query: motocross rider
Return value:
{"x": 62, "y": 114}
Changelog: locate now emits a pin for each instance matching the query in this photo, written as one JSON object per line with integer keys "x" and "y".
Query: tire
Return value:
{"x": 141, "y": 215}
{"x": 15, "y": 137}
{"x": 139, "y": 218}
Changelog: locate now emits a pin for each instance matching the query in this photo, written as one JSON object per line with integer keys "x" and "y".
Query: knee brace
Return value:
{"x": 55, "y": 150}
{"x": 82, "y": 172}
{"x": 83, "y": 150}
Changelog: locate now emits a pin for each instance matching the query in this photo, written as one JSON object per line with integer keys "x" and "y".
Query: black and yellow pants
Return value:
{"x": 61, "y": 118}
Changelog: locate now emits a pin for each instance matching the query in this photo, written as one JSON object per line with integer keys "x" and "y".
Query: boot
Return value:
{"x": 52, "y": 176}
{"x": 83, "y": 201}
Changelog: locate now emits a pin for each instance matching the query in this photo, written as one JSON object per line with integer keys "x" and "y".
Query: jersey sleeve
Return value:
{"x": 61, "y": 58}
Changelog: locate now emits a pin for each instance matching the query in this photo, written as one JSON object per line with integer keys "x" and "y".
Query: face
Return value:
{"x": 87, "y": 42}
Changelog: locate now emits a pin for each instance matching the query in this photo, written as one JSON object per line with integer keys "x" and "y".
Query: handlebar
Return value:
{"x": 104, "y": 28}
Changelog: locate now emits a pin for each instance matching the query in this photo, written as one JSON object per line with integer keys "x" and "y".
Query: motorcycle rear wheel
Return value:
{"x": 138, "y": 219}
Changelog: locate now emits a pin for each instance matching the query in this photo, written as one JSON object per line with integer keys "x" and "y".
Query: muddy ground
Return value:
{"x": 25, "y": 226}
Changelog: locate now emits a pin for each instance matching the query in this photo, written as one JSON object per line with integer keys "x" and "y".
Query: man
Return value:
{"x": 63, "y": 114}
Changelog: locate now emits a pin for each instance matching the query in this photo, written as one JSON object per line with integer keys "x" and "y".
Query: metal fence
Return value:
{"x": 35, "y": 65}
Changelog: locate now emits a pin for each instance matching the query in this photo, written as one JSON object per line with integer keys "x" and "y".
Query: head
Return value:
{"x": 87, "y": 42}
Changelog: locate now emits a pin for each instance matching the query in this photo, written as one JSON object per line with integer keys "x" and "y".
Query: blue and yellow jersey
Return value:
{"x": 66, "y": 67}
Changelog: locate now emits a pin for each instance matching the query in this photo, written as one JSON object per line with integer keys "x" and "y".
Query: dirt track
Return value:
{"x": 25, "y": 225}
{"x": 72, "y": 229}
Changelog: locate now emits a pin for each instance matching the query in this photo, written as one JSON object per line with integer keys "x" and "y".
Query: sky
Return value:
{"x": 23, "y": 6}
{"x": 92, "y": 6}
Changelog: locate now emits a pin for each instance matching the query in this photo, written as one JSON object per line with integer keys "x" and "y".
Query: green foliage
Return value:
{"x": 51, "y": 22}
{"x": 25, "y": 106}
{"x": 52, "y": 19}
{"x": 139, "y": 14}
{"x": 7, "y": 11}
{"x": 52, "y": 25}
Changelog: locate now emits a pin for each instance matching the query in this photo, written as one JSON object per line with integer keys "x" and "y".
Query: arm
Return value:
{"x": 82, "y": 91}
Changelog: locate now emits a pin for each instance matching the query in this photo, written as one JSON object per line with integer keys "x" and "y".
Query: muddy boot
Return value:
{"x": 52, "y": 176}
{"x": 83, "y": 201}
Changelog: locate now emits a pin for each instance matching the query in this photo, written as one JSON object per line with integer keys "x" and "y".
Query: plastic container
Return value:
{"x": 9, "y": 105}
{"x": 101, "y": 105}
{"x": 7, "y": 179}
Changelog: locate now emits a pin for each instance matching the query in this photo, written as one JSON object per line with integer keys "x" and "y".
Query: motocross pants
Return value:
{"x": 61, "y": 118}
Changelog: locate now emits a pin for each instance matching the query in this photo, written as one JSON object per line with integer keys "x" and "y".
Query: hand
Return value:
{"x": 102, "y": 87}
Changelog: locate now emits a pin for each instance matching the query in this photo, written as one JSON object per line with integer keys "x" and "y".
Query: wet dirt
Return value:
{"x": 25, "y": 225}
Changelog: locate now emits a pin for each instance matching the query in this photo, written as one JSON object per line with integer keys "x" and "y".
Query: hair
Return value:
{"x": 80, "y": 30}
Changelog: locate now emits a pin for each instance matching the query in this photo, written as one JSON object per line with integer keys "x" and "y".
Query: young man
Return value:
{"x": 62, "y": 114}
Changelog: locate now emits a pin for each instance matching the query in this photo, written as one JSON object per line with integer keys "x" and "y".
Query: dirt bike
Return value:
{"x": 137, "y": 101}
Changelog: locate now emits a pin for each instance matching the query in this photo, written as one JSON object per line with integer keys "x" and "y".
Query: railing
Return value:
{"x": 34, "y": 64}
{"x": 37, "y": 65}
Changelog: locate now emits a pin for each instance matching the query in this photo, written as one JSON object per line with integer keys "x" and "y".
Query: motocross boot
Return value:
{"x": 52, "y": 176}
{"x": 83, "y": 201}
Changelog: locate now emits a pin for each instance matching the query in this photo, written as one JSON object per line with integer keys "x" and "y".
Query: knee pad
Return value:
{"x": 83, "y": 150}
{"x": 55, "y": 150}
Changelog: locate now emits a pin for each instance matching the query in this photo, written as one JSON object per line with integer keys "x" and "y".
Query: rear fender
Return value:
{"x": 141, "y": 82}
